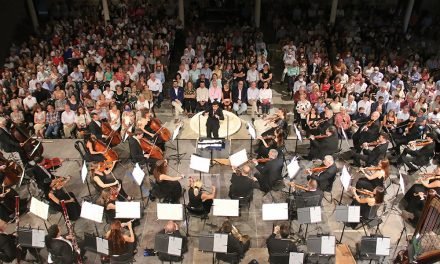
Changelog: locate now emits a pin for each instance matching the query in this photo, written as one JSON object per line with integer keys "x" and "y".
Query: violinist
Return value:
{"x": 95, "y": 126}
{"x": 269, "y": 142}
{"x": 107, "y": 199}
{"x": 374, "y": 176}
{"x": 373, "y": 156}
{"x": 269, "y": 172}
{"x": 7, "y": 204}
{"x": 322, "y": 145}
{"x": 200, "y": 199}
{"x": 367, "y": 202}
{"x": 137, "y": 155}
{"x": 419, "y": 157}
{"x": 368, "y": 132}
{"x": 169, "y": 186}
{"x": 91, "y": 155}
{"x": 276, "y": 121}
{"x": 58, "y": 193}
{"x": 242, "y": 184}
{"x": 41, "y": 175}
{"x": 411, "y": 132}
{"x": 279, "y": 243}
{"x": 326, "y": 174}
{"x": 414, "y": 199}
{"x": 327, "y": 121}
{"x": 102, "y": 180}
{"x": 8, "y": 143}
{"x": 306, "y": 193}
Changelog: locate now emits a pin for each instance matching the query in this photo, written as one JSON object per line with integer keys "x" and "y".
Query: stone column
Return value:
{"x": 408, "y": 13}
{"x": 106, "y": 12}
{"x": 257, "y": 13}
{"x": 182, "y": 12}
{"x": 333, "y": 12}
{"x": 33, "y": 14}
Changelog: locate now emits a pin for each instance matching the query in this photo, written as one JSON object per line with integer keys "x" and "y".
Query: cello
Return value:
{"x": 113, "y": 136}
{"x": 109, "y": 154}
{"x": 12, "y": 172}
{"x": 153, "y": 150}
{"x": 32, "y": 147}
{"x": 161, "y": 131}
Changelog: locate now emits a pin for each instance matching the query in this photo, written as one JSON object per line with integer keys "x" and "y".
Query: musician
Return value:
{"x": 8, "y": 143}
{"x": 137, "y": 155}
{"x": 199, "y": 198}
{"x": 313, "y": 121}
{"x": 57, "y": 193}
{"x": 215, "y": 114}
{"x": 41, "y": 175}
{"x": 373, "y": 156}
{"x": 326, "y": 176}
{"x": 172, "y": 229}
{"x": 279, "y": 243}
{"x": 327, "y": 121}
{"x": 374, "y": 176}
{"x": 60, "y": 247}
{"x": 120, "y": 243}
{"x": 242, "y": 184}
{"x": 368, "y": 132}
{"x": 277, "y": 120}
{"x": 9, "y": 247}
{"x": 90, "y": 154}
{"x": 145, "y": 125}
{"x": 269, "y": 142}
{"x": 418, "y": 157}
{"x": 234, "y": 243}
{"x": 323, "y": 145}
{"x": 411, "y": 132}
{"x": 102, "y": 180}
{"x": 269, "y": 172}
{"x": 95, "y": 126}
{"x": 416, "y": 196}
{"x": 7, "y": 204}
{"x": 308, "y": 194}
{"x": 169, "y": 186}
{"x": 367, "y": 202}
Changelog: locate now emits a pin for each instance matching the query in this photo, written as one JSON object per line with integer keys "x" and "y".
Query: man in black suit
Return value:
{"x": 418, "y": 157}
{"x": 215, "y": 114}
{"x": 328, "y": 121}
{"x": 41, "y": 175}
{"x": 325, "y": 178}
{"x": 9, "y": 144}
{"x": 368, "y": 132}
{"x": 172, "y": 229}
{"x": 269, "y": 172}
{"x": 242, "y": 184}
{"x": 95, "y": 126}
{"x": 234, "y": 245}
{"x": 310, "y": 197}
{"x": 279, "y": 245}
{"x": 411, "y": 132}
{"x": 239, "y": 98}
{"x": 136, "y": 153}
{"x": 325, "y": 145}
{"x": 372, "y": 157}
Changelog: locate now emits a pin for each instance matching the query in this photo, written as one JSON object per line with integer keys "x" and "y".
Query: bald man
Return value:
{"x": 242, "y": 184}
{"x": 171, "y": 228}
{"x": 368, "y": 131}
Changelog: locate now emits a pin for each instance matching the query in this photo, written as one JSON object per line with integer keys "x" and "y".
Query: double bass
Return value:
{"x": 12, "y": 172}
{"x": 161, "y": 131}
{"x": 109, "y": 154}
{"x": 113, "y": 136}
{"x": 32, "y": 147}
{"x": 151, "y": 149}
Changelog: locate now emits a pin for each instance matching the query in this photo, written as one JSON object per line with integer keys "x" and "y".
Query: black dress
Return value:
{"x": 93, "y": 157}
{"x": 156, "y": 140}
{"x": 106, "y": 179}
{"x": 171, "y": 190}
{"x": 73, "y": 208}
{"x": 366, "y": 184}
{"x": 196, "y": 201}
{"x": 414, "y": 204}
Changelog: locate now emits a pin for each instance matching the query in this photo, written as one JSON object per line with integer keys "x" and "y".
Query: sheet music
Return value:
{"x": 138, "y": 174}
{"x": 128, "y": 209}
{"x": 199, "y": 164}
{"x": 383, "y": 245}
{"x": 225, "y": 207}
{"x": 220, "y": 243}
{"x": 84, "y": 172}
{"x": 293, "y": 168}
{"x": 275, "y": 211}
{"x": 252, "y": 131}
{"x": 345, "y": 178}
{"x": 239, "y": 158}
{"x": 296, "y": 258}
{"x": 169, "y": 211}
{"x": 174, "y": 246}
{"x": 354, "y": 214}
{"x": 38, "y": 238}
{"x": 39, "y": 208}
{"x": 102, "y": 246}
{"x": 176, "y": 131}
{"x": 345, "y": 136}
{"x": 92, "y": 212}
{"x": 298, "y": 134}
{"x": 315, "y": 214}
{"x": 402, "y": 184}
{"x": 328, "y": 244}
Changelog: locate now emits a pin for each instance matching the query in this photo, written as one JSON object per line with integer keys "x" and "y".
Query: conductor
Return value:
{"x": 215, "y": 114}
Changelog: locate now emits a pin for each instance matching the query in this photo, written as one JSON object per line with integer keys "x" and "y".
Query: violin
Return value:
{"x": 369, "y": 169}
{"x": 427, "y": 177}
{"x": 12, "y": 172}
{"x": 316, "y": 170}
{"x": 368, "y": 124}
{"x": 262, "y": 160}
{"x": 364, "y": 192}
{"x": 113, "y": 136}
{"x": 419, "y": 143}
{"x": 299, "y": 186}
{"x": 161, "y": 131}
{"x": 153, "y": 150}
{"x": 32, "y": 147}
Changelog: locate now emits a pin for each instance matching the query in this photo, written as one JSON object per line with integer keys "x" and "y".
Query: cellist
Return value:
{"x": 95, "y": 126}
{"x": 8, "y": 143}
{"x": 137, "y": 155}
{"x": 92, "y": 155}
{"x": 145, "y": 125}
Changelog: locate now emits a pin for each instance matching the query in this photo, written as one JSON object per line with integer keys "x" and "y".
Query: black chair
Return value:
{"x": 81, "y": 148}
{"x": 244, "y": 201}
{"x": 232, "y": 258}
{"x": 166, "y": 258}
{"x": 372, "y": 220}
{"x": 196, "y": 212}
{"x": 126, "y": 258}
{"x": 277, "y": 258}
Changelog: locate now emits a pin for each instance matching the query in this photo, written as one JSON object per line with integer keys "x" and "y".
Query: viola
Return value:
{"x": 316, "y": 169}
{"x": 113, "y": 136}
{"x": 32, "y": 147}
{"x": 151, "y": 149}
{"x": 12, "y": 172}
{"x": 160, "y": 130}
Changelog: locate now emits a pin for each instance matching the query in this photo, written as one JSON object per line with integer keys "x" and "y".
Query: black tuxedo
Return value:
{"x": 418, "y": 157}
{"x": 60, "y": 250}
{"x": 235, "y": 94}
{"x": 279, "y": 249}
{"x": 371, "y": 157}
{"x": 321, "y": 147}
{"x": 213, "y": 123}
{"x": 370, "y": 135}
{"x": 136, "y": 152}
{"x": 184, "y": 249}
{"x": 241, "y": 186}
{"x": 95, "y": 129}
{"x": 269, "y": 172}
{"x": 326, "y": 178}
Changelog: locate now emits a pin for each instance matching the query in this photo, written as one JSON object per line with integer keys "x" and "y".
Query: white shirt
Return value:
{"x": 434, "y": 118}
{"x": 366, "y": 105}
{"x": 402, "y": 116}
{"x": 184, "y": 75}
{"x": 252, "y": 76}
{"x": 113, "y": 84}
{"x": 108, "y": 94}
{"x": 265, "y": 94}
{"x": 30, "y": 102}
{"x": 32, "y": 85}
{"x": 360, "y": 88}
{"x": 95, "y": 94}
{"x": 68, "y": 118}
{"x": 350, "y": 107}
{"x": 155, "y": 86}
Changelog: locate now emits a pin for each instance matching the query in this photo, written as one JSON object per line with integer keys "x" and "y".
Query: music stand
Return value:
{"x": 32, "y": 239}
{"x": 39, "y": 209}
{"x": 138, "y": 175}
{"x": 345, "y": 179}
{"x": 374, "y": 248}
{"x": 96, "y": 244}
{"x": 199, "y": 164}
{"x": 239, "y": 158}
{"x": 309, "y": 215}
{"x": 177, "y": 157}
{"x": 167, "y": 244}
{"x": 252, "y": 133}
{"x": 92, "y": 212}
{"x": 215, "y": 243}
{"x": 275, "y": 211}
{"x": 322, "y": 246}
{"x": 131, "y": 210}
{"x": 347, "y": 214}
{"x": 84, "y": 172}
{"x": 225, "y": 207}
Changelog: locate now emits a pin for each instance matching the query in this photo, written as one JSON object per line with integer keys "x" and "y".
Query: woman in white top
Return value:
{"x": 215, "y": 78}
{"x": 82, "y": 120}
{"x": 128, "y": 120}
{"x": 99, "y": 74}
{"x": 39, "y": 121}
{"x": 303, "y": 108}
{"x": 141, "y": 104}
{"x": 108, "y": 93}
{"x": 115, "y": 117}
{"x": 265, "y": 98}
{"x": 336, "y": 105}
